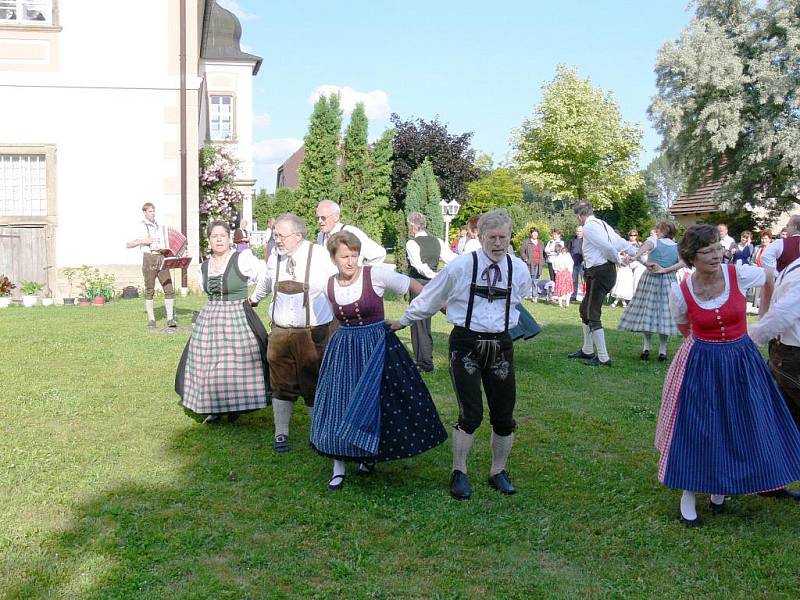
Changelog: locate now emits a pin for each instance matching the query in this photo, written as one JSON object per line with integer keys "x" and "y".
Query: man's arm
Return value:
{"x": 769, "y": 258}
{"x": 415, "y": 260}
{"x": 447, "y": 253}
{"x": 599, "y": 235}
{"x": 433, "y": 297}
{"x": 781, "y": 315}
{"x": 371, "y": 251}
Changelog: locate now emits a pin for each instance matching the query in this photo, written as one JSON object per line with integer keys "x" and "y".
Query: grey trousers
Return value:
{"x": 421, "y": 338}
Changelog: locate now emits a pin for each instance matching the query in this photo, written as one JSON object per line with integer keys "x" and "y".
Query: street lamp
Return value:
{"x": 449, "y": 211}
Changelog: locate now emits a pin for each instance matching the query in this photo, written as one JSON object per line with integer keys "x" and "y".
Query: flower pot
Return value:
{"x": 98, "y": 300}
{"x": 84, "y": 302}
{"x": 29, "y": 301}
{"x": 47, "y": 302}
{"x": 5, "y": 301}
{"x": 69, "y": 301}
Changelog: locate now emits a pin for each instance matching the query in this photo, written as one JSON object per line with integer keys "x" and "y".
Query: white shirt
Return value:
{"x": 251, "y": 267}
{"x": 382, "y": 279}
{"x": 747, "y": 276}
{"x": 452, "y": 286}
{"x": 288, "y": 308}
{"x": 551, "y": 250}
{"x": 769, "y": 259}
{"x": 372, "y": 253}
{"x": 414, "y": 259}
{"x": 727, "y": 242}
{"x": 471, "y": 245}
{"x": 783, "y": 317}
{"x": 601, "y": 244}
{"x": 152, "y": 230}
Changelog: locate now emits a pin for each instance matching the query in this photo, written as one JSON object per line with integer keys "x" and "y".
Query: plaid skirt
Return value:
{"x": 648, "y": 311}
{"x": 223, "y": 368}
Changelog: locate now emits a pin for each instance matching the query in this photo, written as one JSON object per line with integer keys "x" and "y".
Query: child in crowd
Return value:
{"x": 563, "y": 265}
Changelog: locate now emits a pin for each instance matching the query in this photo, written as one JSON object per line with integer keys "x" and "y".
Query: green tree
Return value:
{"x": 379, "y": 188}
{"x": 662, "y": 185}
{"x": 727, "y": 101}
{"x": 500, "y": 188}
{"x": 423, "y": 195}
{"x": 577, "y": 145}
{"x": 318, "y": 176}
{"x": 353, "y": 191}
{"x": 635, "y": 213}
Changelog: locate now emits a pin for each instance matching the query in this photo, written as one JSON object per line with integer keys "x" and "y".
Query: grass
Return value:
{"x": 108, "y": 491}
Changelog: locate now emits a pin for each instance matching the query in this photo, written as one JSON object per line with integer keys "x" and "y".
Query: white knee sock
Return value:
{"x": 587, "y": 340}
{"x": 646, "y": 345}
{"x": 338, "y": 468}
{"x": 717, "y": 499}
{"x": 462, "y": 442}
{"x": 169, "y": 304}
{"x": 599, "y": 337}
{"x": 148, "y": 305}
{"x": 688, "y": 506}
{"x": 662, "y": 343}
{"x": 282, "y": 413}
{"x": 501, "y": 448}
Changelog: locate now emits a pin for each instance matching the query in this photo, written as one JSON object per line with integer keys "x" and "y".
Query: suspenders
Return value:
{"x": 306, "y": 300}
{"x": 474, "y": 284}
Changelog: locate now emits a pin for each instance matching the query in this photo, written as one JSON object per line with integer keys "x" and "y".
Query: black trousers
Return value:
{"x": 488, "y": 359}
{"x": 421, "y": 337}
{"x": 784, "y": 362}
{"x": 599, "y": 281}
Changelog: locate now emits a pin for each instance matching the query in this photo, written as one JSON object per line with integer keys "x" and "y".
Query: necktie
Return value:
{"x": 491, "y": 275}
{"x": 290, "y": 264}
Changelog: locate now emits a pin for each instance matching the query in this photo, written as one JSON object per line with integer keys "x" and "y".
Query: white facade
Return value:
{"x": 99, "y": 94}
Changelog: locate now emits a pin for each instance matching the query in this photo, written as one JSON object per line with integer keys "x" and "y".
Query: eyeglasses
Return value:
{"x": 323, "y": 217}
{"x": 278, "y": 237}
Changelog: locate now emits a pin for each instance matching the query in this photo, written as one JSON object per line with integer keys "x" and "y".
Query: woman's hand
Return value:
{"x": 394, "y": 325}
{"x": 655, "y": 268}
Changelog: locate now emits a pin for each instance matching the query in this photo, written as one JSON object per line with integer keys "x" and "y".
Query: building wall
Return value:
{"x": 104, "y": 92}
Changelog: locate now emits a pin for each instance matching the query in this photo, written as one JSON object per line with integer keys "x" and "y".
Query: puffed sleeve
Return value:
{"x": 677, "y": 305}
{"x": 386, "y": 279}
{"x": 255, "y": 270}
{"x": 748, "y": 276}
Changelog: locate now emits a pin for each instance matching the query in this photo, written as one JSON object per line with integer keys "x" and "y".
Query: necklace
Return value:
{"x": 709, "y": 290}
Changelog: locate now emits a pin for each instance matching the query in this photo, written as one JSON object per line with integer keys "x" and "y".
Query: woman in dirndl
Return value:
{"x": 371, "y": 403}
{"x": 723, "y": 427}
{"x": 223, "y": 369}
{"x": 648, "y": 311}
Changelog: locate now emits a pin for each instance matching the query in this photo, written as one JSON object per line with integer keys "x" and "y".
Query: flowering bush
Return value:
{"x": 218, "y": 196}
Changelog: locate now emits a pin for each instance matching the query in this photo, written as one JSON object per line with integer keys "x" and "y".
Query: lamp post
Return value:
{"x": 449, "y": 211}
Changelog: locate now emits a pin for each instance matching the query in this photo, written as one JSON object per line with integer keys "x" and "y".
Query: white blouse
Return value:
{"x": 382, "y": 279}
{"x": 747, "y": 276}
{"x": 250, "y": 266}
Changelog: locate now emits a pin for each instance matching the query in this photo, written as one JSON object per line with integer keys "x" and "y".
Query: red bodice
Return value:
{"x": 723, "y": 324}
{"x": 791, "y": 251}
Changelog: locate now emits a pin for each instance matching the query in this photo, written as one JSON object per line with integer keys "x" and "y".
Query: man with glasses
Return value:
{"x": 328, "y": 220}
{"x": 301, "y": 317}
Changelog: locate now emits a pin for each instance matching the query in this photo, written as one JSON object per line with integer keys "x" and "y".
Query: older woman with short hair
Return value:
{"x": 371, "y": 403}
{"x": 723, "y": 427}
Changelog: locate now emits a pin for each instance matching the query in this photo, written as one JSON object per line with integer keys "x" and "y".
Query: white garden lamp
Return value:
{"x": 449, "y": 211}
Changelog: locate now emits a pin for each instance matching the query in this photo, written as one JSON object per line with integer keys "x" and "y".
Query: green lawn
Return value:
{"x": 107, "y": 490}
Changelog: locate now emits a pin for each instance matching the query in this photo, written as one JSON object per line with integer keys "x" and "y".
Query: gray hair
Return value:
{"x": 298, "y": 225}
{"x": 583, "y": 208}
{"x": 794, "y": 221}
{"x": 417, "y": 219}
{"x": 494, "y": 219}
{"x": 335, "y": 208}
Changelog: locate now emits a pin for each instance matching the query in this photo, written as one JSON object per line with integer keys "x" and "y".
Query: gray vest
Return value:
{"x": 429, "y": 251}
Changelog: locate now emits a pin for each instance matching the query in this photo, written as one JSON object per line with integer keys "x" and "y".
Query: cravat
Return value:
{"x": 491, "y": 275}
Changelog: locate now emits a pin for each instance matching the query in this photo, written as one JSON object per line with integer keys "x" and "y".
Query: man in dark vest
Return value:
{"x": 424, "y": 253}
{"x": 782, "y": 252}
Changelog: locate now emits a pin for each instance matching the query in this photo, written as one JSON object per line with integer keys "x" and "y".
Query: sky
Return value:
{"x": 477, "y": 66}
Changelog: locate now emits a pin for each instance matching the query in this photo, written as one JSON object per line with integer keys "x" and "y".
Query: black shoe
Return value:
{"x": 366, "y": 468}
{"x": 662, "y": 357}
{"x": 645, "y": 355}
{"x": 425, "y": 368}
{"x": 580, "y": 354}
{"x": 783, "y": 494}
{"x": 336, "y": 483}
{"x": 501, "y": 482}
{"x": 211, "y": 419}
{"x": 233, "y": 417}
{"x": 696, "y": 522}
{"x": 460, "y": 489}
{"x": 172, "y": 323}
{"x": 596, "y": 362}
{"x": 716, "y": 508}
{"x": 281, "y": 443}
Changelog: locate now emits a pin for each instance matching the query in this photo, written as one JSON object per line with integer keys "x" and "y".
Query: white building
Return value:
{"x": 105, "y": 109}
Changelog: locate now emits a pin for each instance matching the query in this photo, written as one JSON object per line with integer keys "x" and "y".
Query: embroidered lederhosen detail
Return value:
{"x": 294, "y": 287}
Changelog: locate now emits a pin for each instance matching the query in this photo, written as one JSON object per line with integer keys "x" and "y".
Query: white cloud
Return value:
{"x": 275, "y": 150}
{"x": 262, "y": 120}
{"x": 233, "y": 6}
{"x": 376, "y": 102}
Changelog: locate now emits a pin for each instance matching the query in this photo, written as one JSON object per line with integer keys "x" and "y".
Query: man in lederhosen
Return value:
{"x": 601, "y": 254}
{"x": 481, "y": 290}
{"x": 301, "y": 317}
{"x": 424, "y": 253}
{"x": 150, "y": 243}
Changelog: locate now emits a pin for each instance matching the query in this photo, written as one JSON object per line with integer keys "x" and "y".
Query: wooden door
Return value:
{"x": 23, "y": 254}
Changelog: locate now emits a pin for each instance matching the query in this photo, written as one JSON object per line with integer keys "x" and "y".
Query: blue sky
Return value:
{"x": 479, "y": 66}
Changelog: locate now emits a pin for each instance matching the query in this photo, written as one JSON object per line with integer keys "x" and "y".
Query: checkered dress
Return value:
{"x": 223, "y": 368}
{"x": 648, "y": 311}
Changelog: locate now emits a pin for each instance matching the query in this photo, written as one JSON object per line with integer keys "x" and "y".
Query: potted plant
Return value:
{"x": 5, "y": 291}
{"x": 70, "y": 273}
{"x": 98, "y": 286}
{"x": 85, "y": 275}
{"x": 47, "y": 299}
{"x": 29, "y": 290}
